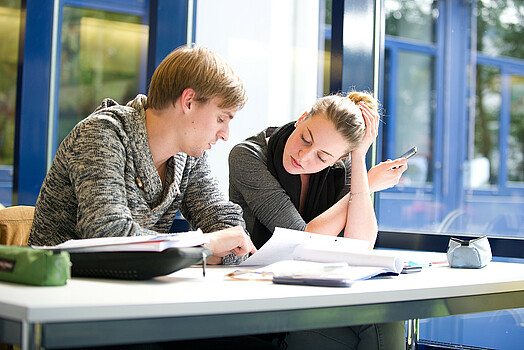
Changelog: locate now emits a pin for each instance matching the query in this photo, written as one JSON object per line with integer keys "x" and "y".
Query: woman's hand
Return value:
{"x": 371, "y": 118}
{"x": 386, "y": 174}
{"x": 231, "y": 240}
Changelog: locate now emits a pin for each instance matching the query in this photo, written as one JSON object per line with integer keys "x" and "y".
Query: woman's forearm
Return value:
{"x": 332, "y": 221}
{"x": 361, "y": 221}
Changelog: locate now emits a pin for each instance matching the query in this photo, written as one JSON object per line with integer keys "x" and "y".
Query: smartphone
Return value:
{"x": 409, "y": 153}
{"x": 411, "y": 269}
{"x": 313, "y": 281}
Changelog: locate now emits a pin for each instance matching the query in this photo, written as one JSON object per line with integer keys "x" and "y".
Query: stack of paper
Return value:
{"x": 154, "y": 243}
{"x": 286, "y": 245}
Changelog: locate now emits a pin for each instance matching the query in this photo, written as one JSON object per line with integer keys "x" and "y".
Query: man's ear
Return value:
{"x": 187, "y": 99}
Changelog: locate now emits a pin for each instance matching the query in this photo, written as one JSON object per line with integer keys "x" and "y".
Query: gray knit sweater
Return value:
{"x": 258, "y": 192}
{"x": 103, "y": 182}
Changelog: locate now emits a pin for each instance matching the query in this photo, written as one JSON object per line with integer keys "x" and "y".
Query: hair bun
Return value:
{"x": 367, "y": 98}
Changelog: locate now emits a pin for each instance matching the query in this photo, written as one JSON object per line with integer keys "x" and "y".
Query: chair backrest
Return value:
{"x": 15, "y": 224}
{"x": 15, "y": 227}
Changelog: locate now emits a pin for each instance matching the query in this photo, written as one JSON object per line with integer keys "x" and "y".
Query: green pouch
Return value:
{"x": 34, "y": 266}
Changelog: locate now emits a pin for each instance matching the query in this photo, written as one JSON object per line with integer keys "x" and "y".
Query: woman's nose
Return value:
{"x": 304, "y": 153}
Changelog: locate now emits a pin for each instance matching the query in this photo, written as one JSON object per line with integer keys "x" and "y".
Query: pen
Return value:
{"x": 204, "y": 256}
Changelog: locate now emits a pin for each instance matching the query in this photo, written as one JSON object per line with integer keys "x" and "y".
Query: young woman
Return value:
{"x": 311, "y": 175}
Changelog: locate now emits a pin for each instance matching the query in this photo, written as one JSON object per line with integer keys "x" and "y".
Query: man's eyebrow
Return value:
{"x": 313, "y": 141}
{"x": 229, "y": 114}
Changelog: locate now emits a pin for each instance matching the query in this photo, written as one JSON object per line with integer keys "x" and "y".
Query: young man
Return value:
{"x": 127, "y": 170}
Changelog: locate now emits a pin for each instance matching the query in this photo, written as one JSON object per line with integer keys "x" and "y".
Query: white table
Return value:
{"x": 185, "y": 305}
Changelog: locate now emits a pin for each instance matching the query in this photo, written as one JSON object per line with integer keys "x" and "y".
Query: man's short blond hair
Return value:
{"x": 200, "y": 69}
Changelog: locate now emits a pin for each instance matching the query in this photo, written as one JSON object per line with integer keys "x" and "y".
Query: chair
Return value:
{"x": 15, "y": 226}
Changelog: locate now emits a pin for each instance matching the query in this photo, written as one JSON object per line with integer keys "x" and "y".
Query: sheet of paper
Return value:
{"x": 333, "y": 253}
{"x": 283, "y": 242}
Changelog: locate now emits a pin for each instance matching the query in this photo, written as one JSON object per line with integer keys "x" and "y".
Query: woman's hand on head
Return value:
{"x": 233, "y": 240}
{"x": 386, "y": 174}
{"x": 372, "y": 119}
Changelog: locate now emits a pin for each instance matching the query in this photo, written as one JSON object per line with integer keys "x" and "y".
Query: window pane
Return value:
{"x": 500, "y": 28}
{"x": 414, "y": 115}
{"x": 9, "y": 32}
{"x": 516, "y": 136}
{"x": 101, "y": 57}
{"x": 485, "y": 165}
{"x": 411, "y": 19}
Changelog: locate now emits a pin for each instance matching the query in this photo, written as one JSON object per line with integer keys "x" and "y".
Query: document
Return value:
{"x": 286, "y": 244}
{"x": 153, "y": 243}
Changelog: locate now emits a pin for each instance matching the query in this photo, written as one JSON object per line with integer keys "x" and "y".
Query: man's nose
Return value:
{"x": 224, "y": 133}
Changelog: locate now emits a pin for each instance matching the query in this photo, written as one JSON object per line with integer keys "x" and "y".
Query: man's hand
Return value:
{"x": 231, "y": 240}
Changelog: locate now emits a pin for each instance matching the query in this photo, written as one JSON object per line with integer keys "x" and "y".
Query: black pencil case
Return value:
{"x": 135, "y": 265}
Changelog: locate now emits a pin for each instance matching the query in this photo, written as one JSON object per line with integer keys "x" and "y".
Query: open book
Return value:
{"x": 286, "y": 244}
{"x": 153, "y": 243}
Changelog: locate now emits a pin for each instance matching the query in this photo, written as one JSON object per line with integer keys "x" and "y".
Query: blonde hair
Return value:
{"x": 345, "y": 114}
{"x": 200, "y": 69}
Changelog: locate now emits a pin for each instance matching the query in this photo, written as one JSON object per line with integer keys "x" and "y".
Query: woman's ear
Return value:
{"x": 304, "y": 115}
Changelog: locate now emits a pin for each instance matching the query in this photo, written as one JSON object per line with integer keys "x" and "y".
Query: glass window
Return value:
{"x": 500, "y": 26}
{"x": 273, "y": 47}
{"x": 467, "y": 176}
{"x": 454, "y": 86}
{"x": 9, "y": 32}
{"x": 102, "y": 55}
{"x": 326, "y": 12}
{"x": 516, "y": 136}
{"x": 411, "y": 19}
{"x": 484, "y": 167}
{"x": 414, "y": 111}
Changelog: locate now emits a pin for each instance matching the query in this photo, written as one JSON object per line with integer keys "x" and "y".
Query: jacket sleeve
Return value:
{"x": 265, "y": 197}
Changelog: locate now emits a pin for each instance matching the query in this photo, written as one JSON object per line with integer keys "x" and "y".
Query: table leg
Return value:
{"x": 413, "y": 332}
{"x": 31, "y": 336}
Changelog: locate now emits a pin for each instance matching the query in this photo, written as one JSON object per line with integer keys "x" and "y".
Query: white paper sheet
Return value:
{"x": 283, "y": 242}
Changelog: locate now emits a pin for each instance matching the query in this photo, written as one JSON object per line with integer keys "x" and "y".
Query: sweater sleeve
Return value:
{"x": 204, "y": 205}
{"x": 96, "y": 162}
{"x": 347, "y": 186}
{"x": 262, "y": 193}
